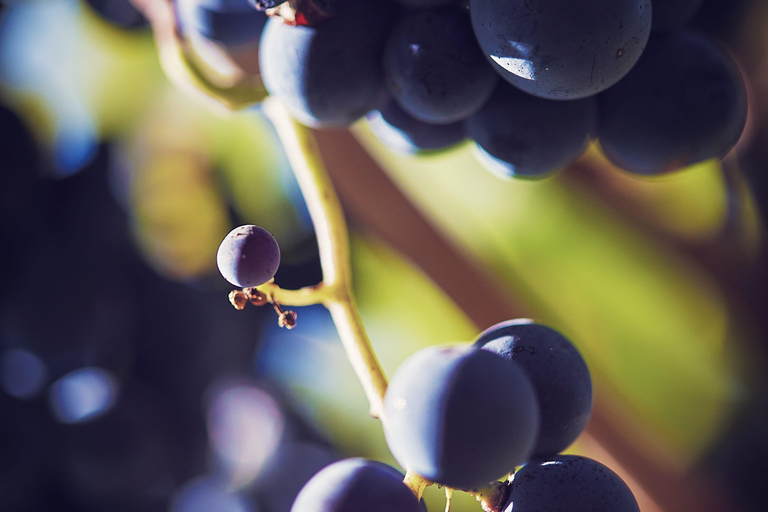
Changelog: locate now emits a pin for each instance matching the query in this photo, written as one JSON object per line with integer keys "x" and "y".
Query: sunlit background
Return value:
{"x": 128, "y": 382}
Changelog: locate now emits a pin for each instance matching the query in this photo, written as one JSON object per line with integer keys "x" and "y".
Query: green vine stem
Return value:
{"x": 185, "y": 74}
{"x": 333, "y": 246}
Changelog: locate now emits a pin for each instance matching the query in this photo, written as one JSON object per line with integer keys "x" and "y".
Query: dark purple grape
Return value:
{"x": 683, "y": 103}
{"x": 121, "y": 13}
{"x": 231, "y": 22}
{"x": 561, "y": 49}
{"x": 569, "y": 483}
{"x": 460, "y": 416}
{"x": 329, "y": 75}
{"x": 559, "y": 375}
{"x": 402, "y": 133}
{"x": 526, "y": 136}
{"x": 434, "y": 67}
{"x": 248, "y": 256}
{"x": 289, "y": 470}
{"x": 669, "y": 15}
{"x": 354, "y": 485}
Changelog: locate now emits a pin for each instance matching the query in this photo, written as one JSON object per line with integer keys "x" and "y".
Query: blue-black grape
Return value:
{"x": 230, "y": 22}
{"x": 434, "y": 67}
{"x": 121, "y": 13}
{"x": 671, "y": 15}
{"x": 248, "y": 256}
{"x": 460, "y": 416}
{"x": 525, "y": 136}
{"x": 289, "y": 470}
{"x": 683, "y": 103}
{"x": 569, "y": 483}
{"x": 403, "y": 133}
{"x": 354, "y": 485}
{"x": 562, "y": 49}
{"x": 559, "y": 375}
{"x": 331, "y": 74}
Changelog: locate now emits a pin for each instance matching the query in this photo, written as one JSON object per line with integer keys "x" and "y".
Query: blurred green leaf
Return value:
{"x": 652, "y": 327}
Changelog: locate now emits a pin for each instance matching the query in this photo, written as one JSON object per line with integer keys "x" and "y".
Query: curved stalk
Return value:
{"x": 333, "y": 246}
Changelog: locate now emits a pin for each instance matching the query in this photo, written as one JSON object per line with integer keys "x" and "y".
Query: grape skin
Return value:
{"x": 329, "y": 75}
{"x": 355, "y": 485}
{"x": 230, "y": 22}
{"x": 401, "y": 132}
{"x": 294, "y": 464}
{"x": 561, "y": 49}
{"x": 559, "y": 375}
{"x": 434, "y": 67}
{"x": 529, "y": 136}
{"x": 683, "y": 103}
{"x": 120, "y": 13}
{"x": 248, "y": 256}
{"x": 460, "y": 416}
{"x": 569, "y": 483}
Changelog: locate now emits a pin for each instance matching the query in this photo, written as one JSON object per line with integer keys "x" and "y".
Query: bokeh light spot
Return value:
{"x": 83, "y": 394}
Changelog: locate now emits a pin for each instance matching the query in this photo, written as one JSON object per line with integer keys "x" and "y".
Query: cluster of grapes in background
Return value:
{"x": 464, "y": 416}
{"x": 104, "y": 364}
{"x": 531, "y": 83}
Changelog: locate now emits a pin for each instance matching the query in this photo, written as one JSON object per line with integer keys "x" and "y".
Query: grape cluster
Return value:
{"x": 530, "y": 82}
{"x": 467, "y": 416}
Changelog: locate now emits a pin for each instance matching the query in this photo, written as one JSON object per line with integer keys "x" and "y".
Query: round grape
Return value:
{"x": 248, "y": 256}
{"x": 683, "y": 103}
{"x": 460, "y": 416}
{"x": 331, "y": 74}
{"x": 559, "y": 375}
{"x": 121, "y": 13}
{"x": 526, "y": 136}
{"x": 569, "y": 483}
{"x": 230, "y": 22}
{"x": 401, "y": 132}
{"x": 434, "y": 67}
{"x": 354, "y": 485}
{"x": 561, "y": 49}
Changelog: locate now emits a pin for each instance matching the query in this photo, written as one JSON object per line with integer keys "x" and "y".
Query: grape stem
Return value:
{"x": 448, "y": 496}
{"x": 333, "y": 247}
{"x": 416, "y": 482}
{"x": 335, "y": 292}
{"x": 184, "y": 72}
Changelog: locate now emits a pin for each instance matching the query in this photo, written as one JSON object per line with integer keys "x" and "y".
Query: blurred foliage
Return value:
{"x": 651, "y": 324}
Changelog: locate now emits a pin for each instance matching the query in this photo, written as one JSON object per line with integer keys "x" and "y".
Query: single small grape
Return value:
{"x": 248, "y": 256}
